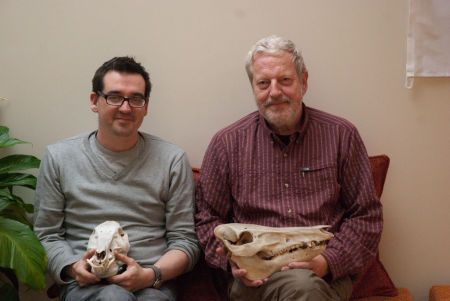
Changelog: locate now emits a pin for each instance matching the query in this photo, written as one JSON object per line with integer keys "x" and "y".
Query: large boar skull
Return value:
{"x": 105, "y": 239}
{"x": 263, "y": 251}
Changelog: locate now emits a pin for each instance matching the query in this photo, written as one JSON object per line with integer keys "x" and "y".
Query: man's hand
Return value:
{"x": 135, "y": 277}
{"x": 318, "y": 265}
{"x": 241, "y": 273}
{"x": 79, "y": 270}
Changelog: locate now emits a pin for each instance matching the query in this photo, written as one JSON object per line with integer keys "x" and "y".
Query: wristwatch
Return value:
{"x": 158, "y": 277}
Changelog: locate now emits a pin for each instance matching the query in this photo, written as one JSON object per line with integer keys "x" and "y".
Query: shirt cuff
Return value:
{"x": 333, "y": 259}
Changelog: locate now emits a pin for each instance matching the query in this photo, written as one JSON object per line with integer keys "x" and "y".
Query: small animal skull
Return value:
{"x": 105, "y": 239}
{"x": 263, "y": 251}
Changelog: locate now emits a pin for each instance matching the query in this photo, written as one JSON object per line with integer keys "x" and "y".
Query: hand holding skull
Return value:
{"x": 79, "y": 271}
{"x": 107, "y": 238}
{"x": 241, "y": 273}
{"x": 318, "y": 265}
{"x": 262, "y": 251}
{"x": 135, "y": 277}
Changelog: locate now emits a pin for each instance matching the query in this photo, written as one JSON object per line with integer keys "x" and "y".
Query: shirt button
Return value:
{"x": 286, "y": 185}
{"x": 285, "y": 155}
{"x": 289, "y": 210}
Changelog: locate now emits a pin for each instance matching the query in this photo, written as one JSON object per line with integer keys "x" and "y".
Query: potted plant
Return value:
{"x": 22, "y": 257}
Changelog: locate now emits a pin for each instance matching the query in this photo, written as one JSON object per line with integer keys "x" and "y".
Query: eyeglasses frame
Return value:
{"x": 124, "y": 98}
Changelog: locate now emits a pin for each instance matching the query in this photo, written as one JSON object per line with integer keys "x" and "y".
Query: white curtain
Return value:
{"x": 428, "y": 44}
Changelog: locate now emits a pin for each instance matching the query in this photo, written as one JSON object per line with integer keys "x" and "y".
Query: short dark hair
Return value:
{"x": 122, "y": 64}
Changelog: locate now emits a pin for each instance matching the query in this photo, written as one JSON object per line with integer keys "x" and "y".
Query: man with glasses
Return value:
{"x": 117, "y": 173}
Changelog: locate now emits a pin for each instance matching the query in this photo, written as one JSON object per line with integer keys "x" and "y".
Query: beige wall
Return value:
{"x": 354, "y": 49}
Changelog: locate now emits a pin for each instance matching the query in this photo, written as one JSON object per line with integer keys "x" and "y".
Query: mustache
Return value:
{"x": 129, "y": 116}
{"x": 272, "y": 101}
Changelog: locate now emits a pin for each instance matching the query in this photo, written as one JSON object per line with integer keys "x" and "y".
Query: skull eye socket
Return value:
{"x": 121, "y": 232}
{"x": 245, "y": 238}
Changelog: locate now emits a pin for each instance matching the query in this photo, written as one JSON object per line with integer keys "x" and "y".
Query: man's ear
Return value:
{"x": 305, "y": 82}
{"x": 146, "y": 106}
{"x": 94, "y": 101}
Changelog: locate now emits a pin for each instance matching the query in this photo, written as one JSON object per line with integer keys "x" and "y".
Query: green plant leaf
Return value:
{"x": 17, "y": 212}
{"x": 22, "y": 252}
{"x": 17, "y": 199}
{"x": 3, "y": 130}
{"x": 6, "y": 194}
{"x": 8, "y": 292}
{"x": 6, "y": 140}
{"x": 12, "y": 206}
{"x": 29, "y": 208}
{"x": 17, "y": 179}
{"x": 4, "y": 203}
{"x": 17, "y": 163}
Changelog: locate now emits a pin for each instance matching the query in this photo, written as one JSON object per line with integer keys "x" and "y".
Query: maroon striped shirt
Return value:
{"x": 321, "y": 177}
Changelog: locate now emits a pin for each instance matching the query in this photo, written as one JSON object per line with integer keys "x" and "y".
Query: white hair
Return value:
{"x": 275, "y": 44}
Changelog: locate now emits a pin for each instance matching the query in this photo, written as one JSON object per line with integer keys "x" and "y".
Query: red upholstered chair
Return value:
{"x": 374, "y": 284}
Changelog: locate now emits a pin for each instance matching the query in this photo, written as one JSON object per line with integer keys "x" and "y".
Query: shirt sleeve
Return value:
{"x": 180, "y": 212}
{"x": 49, "y": 218}
{"x": 356, "y": 241}
{"x": 213, "y": 200}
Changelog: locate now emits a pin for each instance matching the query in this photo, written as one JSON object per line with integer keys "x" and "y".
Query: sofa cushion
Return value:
{"x": 439, "y": 293}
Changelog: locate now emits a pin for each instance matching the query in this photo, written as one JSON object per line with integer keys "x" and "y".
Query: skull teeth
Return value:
{"x": 290, "y": 249}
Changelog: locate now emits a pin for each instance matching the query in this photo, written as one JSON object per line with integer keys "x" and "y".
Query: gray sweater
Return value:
{"x": 151, "y": 197}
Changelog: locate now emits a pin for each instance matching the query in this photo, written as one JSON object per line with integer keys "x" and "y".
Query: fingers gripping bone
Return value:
{"x": 263, "y": 251}
{"x": 105, "y": 239}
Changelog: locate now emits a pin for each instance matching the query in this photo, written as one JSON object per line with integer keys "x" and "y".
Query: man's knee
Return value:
{"x": 298, "y": 278}
{"x": 295, "y": 284}
{"x": 114, "y": 292}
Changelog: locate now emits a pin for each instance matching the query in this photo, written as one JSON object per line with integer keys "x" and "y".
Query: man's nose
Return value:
{"x": 125, "y": 106}
{"x": 275, "y": 90}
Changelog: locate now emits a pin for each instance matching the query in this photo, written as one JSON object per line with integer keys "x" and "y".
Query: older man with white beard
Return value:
{"x": 290, "y": 165}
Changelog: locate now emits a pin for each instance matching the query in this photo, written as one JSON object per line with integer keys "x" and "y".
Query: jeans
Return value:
{"x": 113, "y": 292}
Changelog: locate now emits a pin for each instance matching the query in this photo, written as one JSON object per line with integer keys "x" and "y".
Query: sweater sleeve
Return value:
{"x": 179, "y": 213}
{"x": 49, "y": 218}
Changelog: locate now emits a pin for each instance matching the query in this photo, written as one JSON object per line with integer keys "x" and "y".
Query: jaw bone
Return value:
{"x": 263, "y": 251}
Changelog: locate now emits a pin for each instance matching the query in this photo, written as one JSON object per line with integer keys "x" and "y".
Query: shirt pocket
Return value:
{"x": 318, "y": 182}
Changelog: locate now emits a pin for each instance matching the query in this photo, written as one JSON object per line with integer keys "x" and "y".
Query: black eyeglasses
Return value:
{"x": 135, "y": 101}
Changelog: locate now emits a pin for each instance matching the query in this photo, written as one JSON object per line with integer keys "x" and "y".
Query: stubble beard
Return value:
{"x": 281, "y": 120}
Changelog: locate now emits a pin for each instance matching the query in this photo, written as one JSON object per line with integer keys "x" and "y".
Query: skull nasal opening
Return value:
{"x": 245, "y": 238}
{"x": 101, "y": 255}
